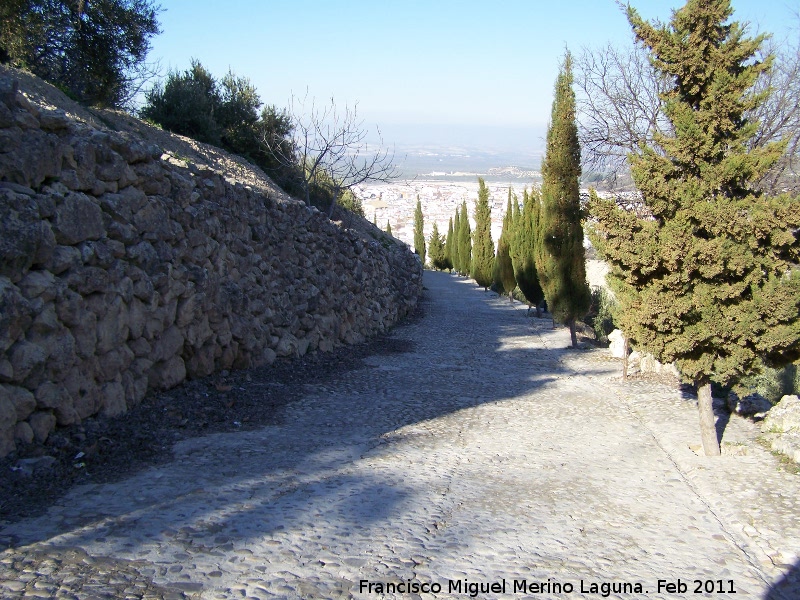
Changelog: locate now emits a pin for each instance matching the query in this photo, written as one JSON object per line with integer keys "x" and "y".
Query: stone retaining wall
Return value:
{"x": 124, "y": 269}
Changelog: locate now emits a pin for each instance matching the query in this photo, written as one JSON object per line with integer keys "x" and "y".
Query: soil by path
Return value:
{"x": 103, "y": 450}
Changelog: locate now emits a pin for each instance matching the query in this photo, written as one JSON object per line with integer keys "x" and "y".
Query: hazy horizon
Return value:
{"x": 464, "y": 74}
{"x": 421, "y": 149}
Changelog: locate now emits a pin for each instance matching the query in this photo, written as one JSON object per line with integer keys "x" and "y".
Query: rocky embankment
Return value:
{"x": 125, "y": 266}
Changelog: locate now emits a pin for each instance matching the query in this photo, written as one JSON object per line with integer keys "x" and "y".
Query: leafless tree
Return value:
{"x": 330, "y": 151}
{"x": 620, "y": 107}
{"x": 779, "y": 115}
{"x": 136, "y": 79}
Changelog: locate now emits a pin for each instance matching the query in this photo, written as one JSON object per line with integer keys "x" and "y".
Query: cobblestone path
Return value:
{"x": 486, "y": 455}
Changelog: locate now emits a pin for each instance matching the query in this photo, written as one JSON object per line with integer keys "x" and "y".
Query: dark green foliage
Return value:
{"x": 187, "y": 104}
{"x": 601, "y": 313}
{"x": 560, "y": 256}
{"x": 456, "y": 257}
{"x": 464, "y": 241}
{"x": 419, "y": 232}
{"x": 349, "y": 201}
{"x": 483, "y": 247}
{"x": 388, "y": 227}
{"x": 707, "y": 282}
{"x": 438, "y": 257}
{"x": 503, "y": 274}
{"x": 523, "y": 247}
{"x": 710, "y": 281}
{"x": 449, "y": 244}
{"x": 93, "y": 50}
{"x": 771, "y": 383}
{"x": 13, "y": 31}
{"x": 224, "y": 113}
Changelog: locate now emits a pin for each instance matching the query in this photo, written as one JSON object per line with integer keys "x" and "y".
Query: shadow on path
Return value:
{"x": 788, "y": 587}
{"x": 467, "y": 350}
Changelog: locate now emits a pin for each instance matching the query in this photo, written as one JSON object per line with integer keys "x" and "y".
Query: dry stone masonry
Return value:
{"x": 123, "y": 268}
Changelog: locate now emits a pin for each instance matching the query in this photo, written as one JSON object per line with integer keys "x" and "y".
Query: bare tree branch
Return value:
{"x": 620, "y": 108}
{"x": 329, "y": 149}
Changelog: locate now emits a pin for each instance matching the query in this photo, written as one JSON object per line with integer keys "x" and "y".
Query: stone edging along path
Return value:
{"x": 488, "y": 461}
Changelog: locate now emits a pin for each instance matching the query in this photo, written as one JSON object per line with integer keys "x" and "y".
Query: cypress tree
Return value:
{"x": 709, "y": 281}
{"x": 503, "y": 267}
{"x": 456, "y": 237}
{"x": 419, "y": 232}
{"x": 560, "y": 257}
{"x": 436, "y": 249}
{"x": 448, "y": 244}
{"x": 388, "y": 227}
{"x": 523, "y": 246}
{"x": 464, "y": 241}
{"x": 483, "y": 247}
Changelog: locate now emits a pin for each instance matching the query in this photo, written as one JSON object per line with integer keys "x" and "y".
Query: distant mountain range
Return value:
{"x": 459, "y": 163}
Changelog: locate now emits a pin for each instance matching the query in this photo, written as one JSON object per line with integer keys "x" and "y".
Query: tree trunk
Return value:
{"x": 333, "y": 203}
{"x": 625, "y": 348}
{"x": 572, "y": 333}
{"x": 511, "y": 297}
{"x": 708, "y": 428}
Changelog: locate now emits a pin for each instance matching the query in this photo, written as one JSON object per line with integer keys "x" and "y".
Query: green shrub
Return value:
{"x": 349, "y": 201}
{"x": 770, "y": 383}
{"x": 225, "y": 113}
{"x": 601, "y": 313}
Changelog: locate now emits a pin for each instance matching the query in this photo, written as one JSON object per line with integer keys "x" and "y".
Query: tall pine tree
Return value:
{"x": 503, "y": 267}
{"x": 710, "y": 281}
{"x": 464, "y": 241}
{"x": 523, "y": 248}
{"x": 483, "y": 247}
{"x": 419, "y": 232}
{"x": 560, "y": 257}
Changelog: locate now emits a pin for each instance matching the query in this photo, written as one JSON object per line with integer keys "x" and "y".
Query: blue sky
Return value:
{"x": 417, "y": 69}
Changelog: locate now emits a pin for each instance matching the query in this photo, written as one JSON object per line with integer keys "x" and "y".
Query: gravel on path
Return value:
{"x": 483, "y": 459}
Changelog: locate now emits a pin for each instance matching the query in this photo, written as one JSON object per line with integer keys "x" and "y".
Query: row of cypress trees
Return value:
{"x": 541, "y": 246}
{"x": 710, "y": 279}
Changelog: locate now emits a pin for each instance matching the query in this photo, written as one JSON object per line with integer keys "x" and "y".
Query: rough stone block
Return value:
{"x": 201, "y": 362}
{"x": 23, "y": 434}
{"x": 167, "y": 374}
{"x": 22, "y": 400}
{"x": 16, "y": 313}
{"x": 168, "y": 344}
{"x": 7, "y": 444}
{"x": 113, "y": 399}
{"x": 38, "y": 283}
{"x": 42, "y": 423}
{"x": 112, "y": 328}
{"x": 26, "y": 358}
{"x": 78, "y": 219}
{"x": 784, "y": 417}
{"x": 8, "y": 414}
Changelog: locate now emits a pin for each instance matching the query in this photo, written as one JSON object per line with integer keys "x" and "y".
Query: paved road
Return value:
{"x": 487, "y": 455}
